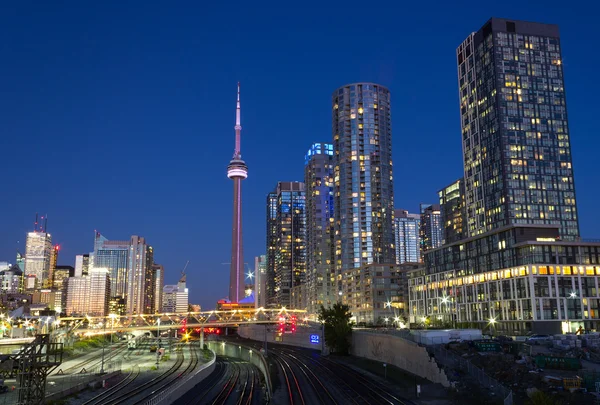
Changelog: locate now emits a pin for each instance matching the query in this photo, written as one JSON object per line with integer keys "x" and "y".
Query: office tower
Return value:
{"x": 260, "y": 281}
{"x": 407, "y": 241}
{"x": 82, "y": 265}
{"x": 237, "y": 171}
{"x": 60, "y": 275}
{"x": 452, "y": 204}
{"x": 99, "y": 291}
{"x": 112, "y": 255}
{"x": 270, "y": 296}
{"x": 515, "y": 132}
{"x": 11, "y": 280}
{"x": 78, "y": 296}
{"x": 175, "y": 297}
{"x": 38, "y": 252}
{"x": 290, "y": 240}
{"x": 149, "y": 282}
{"x": 321, "y": 287}
{"x": 158, "y": 281}
{"x": 139, "y": 263}
{"x": 362, "y": 141}
{"x": 53, "y": 262}
{"x": 432, "y": 230}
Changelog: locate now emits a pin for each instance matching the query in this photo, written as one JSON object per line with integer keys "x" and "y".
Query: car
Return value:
{"x": 537, "y": 339}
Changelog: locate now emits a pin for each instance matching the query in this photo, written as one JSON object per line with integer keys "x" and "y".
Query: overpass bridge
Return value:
{"x": 93, "y": 325}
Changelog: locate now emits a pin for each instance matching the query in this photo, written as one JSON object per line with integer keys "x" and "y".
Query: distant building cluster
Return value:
{"x": 118, "y": 277}
{"x": 501, "y": 246}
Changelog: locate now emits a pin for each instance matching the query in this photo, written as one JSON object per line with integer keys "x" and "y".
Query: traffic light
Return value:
{"x": 184, "y": 326}
{"x": 294, "y": 324}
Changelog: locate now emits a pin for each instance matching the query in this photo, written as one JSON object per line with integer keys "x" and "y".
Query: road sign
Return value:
{"x": 315, "y": 339}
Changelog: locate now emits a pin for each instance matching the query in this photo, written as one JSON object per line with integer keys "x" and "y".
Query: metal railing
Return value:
{"x": 451, "y": 360}
{"x": 184, "y": 386}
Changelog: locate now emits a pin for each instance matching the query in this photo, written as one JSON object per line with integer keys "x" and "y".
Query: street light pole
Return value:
{"x": 103, "y": 346}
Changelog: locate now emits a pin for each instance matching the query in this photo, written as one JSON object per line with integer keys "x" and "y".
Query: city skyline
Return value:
{"x": 173, "y": 223}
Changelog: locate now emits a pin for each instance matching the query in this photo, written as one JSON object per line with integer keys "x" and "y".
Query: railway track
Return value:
{"x": 88, "y": 362}
{"x": 129, "y": 397}
{"x": 358, "y": 388}
{"x": 128, "y": 380}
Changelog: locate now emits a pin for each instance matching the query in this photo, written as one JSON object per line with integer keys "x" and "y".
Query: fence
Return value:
{"x": 451, "y": 360}
{"x": 168, "y": 396}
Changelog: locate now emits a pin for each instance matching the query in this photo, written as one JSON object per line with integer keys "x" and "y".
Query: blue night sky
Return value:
{"x": 119, "y": 117}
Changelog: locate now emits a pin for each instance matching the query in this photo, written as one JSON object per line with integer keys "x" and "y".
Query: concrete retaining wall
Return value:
{"x": 301, "y": 338}
{"x": 399, "y": 352}
{"x": 244, "y": 353}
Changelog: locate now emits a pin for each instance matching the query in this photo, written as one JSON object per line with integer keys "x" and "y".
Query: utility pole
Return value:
{"x": 103, "y": 346}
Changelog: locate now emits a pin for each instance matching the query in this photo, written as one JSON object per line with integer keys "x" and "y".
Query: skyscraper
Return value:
{"x": 406, "y": 232}
{"x": 38, "y": 252}
{"x": 53, "y": 262}
{"x": 289, "y": 240}
{"x": 78, "y": 296}
{"x": 158, "y": 282}
{"x": 515, "y": 132}
{"x": 175, "y": 297}
{"x": 139, "y": 264}
{"x": 321, "y": 287}
{"x": 363, "y": 194}
{"x": 237, "y": 171}
{"x": 270, "y": 296}
{"x": 432, "y": 230}
{"x": 452, "y": 204}
{"x": 260, "y": 281}
{"x": 60, "y": 276}
{"x": 112, "y": 255}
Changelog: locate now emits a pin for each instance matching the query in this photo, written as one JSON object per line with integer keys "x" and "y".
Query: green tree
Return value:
{"x": 338, "y": 327}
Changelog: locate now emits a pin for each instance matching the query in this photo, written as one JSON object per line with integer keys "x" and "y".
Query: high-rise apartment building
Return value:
{"x": 432, "y": 229}
{"x": 321, "y": 285}
{"x": 141, "y": 259}
{"x": 452, "y": 207}
{"x": 515, "y": 132}
{"x": 158, "y": 282}
{"x": 288, "y": 239}
{"x": 363, "y": 179}
{"x": 521, "y": 263}
{"x": 112, "y": 255}
{"x": 260, "y": 281}
{"x": 99, "y": 293}
{"x": 407, "y": 241}
{"x": 38, "y": 253}
{"x": 270, "y": 296}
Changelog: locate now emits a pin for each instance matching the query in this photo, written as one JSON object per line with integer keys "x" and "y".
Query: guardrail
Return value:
{"x": 170, "y": 395}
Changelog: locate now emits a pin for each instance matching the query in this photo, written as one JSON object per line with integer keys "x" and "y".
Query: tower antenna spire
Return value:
{"x": 238, "y": 126}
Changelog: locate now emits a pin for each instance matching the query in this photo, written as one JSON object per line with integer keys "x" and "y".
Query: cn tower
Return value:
{"x": 237, "y": 171}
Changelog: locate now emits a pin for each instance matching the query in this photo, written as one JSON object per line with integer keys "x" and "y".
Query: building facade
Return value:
{"x": 158, "y": 282}
{"x": 517, "y": 278}
{"x": 78, "y": 296}
{"x": 99, "y": 294}
{"x": 11, "y": 280}
{"x": 260, "y": 281}
{"x": 516, "y": 139}
{"x": 38, "y": 251}
{"x": 82, "y": 265}
{"x": 432, "y": 230}
{"x": 141, "y": 259}
{"x": 452, "y": 210}
{"x": 321, "y": 284}
{"x": 270, "y": 296}
{"x": 60, "y": 276}
{"x": 289, "y": 240}
{"x": 175, "y": 297}
{"x": 406, "y": 235}
{"x": 114, "y": 256}
{"x": 363, "y": 178}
